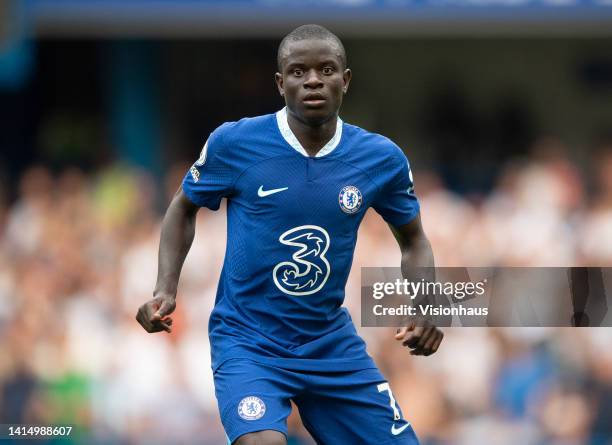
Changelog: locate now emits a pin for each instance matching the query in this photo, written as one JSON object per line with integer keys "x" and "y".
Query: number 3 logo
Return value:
{"x": 309, "y": 270}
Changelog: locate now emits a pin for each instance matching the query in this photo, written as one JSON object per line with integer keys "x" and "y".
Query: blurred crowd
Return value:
{"x": 78, "y": 255}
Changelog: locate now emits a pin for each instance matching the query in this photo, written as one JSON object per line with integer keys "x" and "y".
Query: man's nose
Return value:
{"x": 313, "y": 80}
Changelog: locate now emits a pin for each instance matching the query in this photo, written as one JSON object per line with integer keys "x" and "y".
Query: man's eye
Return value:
{"x": 328, "y": 70}
{"x": 297, "y": 72}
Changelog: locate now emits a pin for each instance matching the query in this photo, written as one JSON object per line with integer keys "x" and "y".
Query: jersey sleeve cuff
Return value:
{"x": 403, "y": 219}
{"x": 191, "y": 196}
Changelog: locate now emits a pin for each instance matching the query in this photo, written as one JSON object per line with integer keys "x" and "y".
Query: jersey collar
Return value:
{"x": 283, "y": 126}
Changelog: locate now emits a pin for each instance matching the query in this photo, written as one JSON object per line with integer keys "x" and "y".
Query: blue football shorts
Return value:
{"x": 337, "y": 408}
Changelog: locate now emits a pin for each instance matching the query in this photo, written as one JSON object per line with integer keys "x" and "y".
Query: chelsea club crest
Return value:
{"x": 350, "y": 199}
{"x": 251, "y": 408}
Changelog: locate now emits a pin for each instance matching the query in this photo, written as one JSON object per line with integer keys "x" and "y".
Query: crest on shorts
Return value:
{"x": 251, "y": 408}
{"x": 350, "y": 199}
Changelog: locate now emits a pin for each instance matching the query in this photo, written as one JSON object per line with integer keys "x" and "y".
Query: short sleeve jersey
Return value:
{"x": 292, "y": 229}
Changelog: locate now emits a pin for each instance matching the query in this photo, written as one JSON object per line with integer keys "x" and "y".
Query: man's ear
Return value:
{"x": 278, "y": 77}
{"x": 347, "y": 76}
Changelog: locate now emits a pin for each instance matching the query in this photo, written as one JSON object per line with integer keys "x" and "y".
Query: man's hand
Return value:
{"x": 153, "y": 315}
{"x": 178, "y": 230}
{"x": 421, "y": 336}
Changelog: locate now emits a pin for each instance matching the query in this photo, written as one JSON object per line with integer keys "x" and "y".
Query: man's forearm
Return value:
{"x": 419, "y": 332}
{"x": 418, "y": 264}
{"x": 177, "y": 233}
{"x": 418, "y": 254}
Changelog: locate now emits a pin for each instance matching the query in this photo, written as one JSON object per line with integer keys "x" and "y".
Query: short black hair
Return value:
{"x": 306, "y": 32}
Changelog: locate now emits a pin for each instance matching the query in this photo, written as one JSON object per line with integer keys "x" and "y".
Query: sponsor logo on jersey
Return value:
{"x": 263, "y": 193}
{"x": 308, "y": 270}
{"x": 251, "y": 408}
{"x": 202, "y": 159}
{"x": 350, "y": 199}
{"x": 411, "y": 186}
{"x": 195, "y": 174}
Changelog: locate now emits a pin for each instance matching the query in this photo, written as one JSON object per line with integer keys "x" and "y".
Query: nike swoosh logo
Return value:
{"x": 396, "y": 431}
{"x": 263, "y": 193}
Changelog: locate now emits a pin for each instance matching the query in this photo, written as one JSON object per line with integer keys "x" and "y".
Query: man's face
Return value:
{"x": 313, "y": 80}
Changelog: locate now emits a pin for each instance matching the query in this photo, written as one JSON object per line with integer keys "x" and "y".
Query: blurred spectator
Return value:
{"x": 596, "y": 230}
{"x": 79, "y": 254}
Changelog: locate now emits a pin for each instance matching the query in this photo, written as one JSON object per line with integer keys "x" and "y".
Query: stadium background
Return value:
{"x": 504, "y": 108}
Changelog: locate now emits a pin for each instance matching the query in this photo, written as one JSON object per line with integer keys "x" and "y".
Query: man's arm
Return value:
{"x": 177, "y": 233}
{"x": 420, "y": 335}
{"x": 415, "y": 247}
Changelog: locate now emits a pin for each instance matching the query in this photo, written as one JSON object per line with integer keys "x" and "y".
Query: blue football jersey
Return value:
{"x": 292, "y": 225}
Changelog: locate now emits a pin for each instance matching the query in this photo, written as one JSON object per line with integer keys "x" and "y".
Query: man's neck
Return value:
{"x": 312, "y": 138}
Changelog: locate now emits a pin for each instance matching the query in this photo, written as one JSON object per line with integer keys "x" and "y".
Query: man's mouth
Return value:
{"x": 314, "y": 100}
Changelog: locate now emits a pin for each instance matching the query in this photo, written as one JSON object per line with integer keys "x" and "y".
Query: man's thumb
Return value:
{"x": 399, "y": 334}
{"x": 163, "y": 310}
